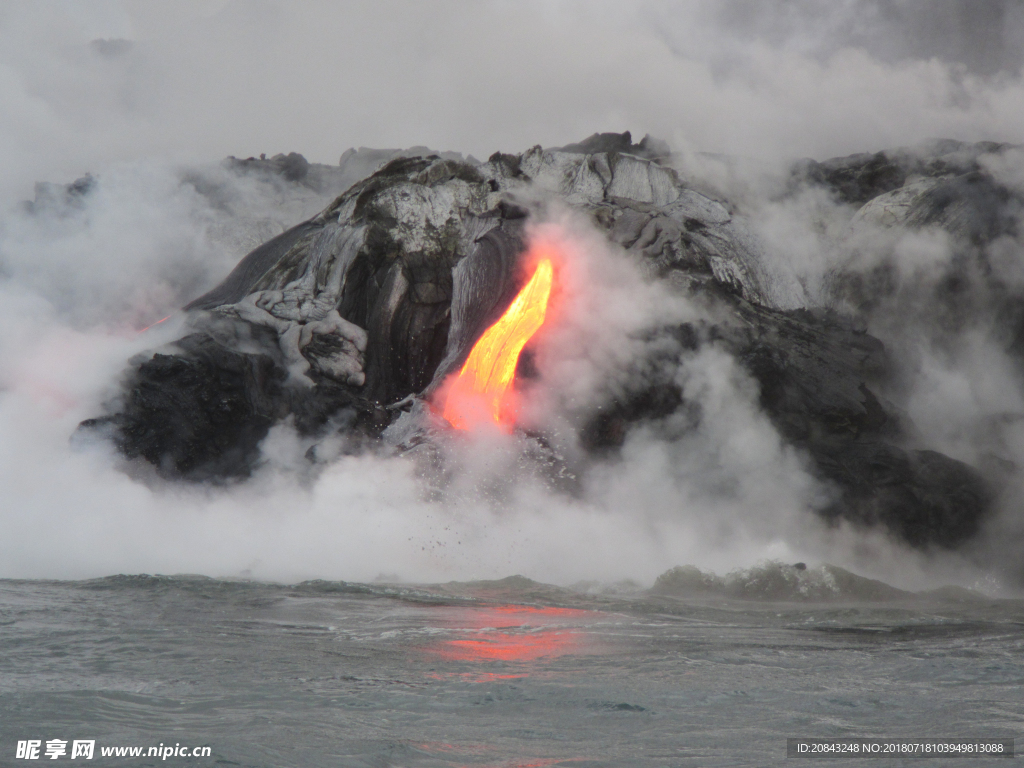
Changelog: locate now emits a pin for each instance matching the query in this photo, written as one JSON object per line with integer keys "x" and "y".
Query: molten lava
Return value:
{"x": 153, "y": 324}
{"x": 478, "y": 394}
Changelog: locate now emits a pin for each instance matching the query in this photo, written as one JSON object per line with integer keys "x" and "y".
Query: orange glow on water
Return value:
{"x": 515, "y": 633}
{"x": 479, "y": 394}
{"x": 508, "y": 646}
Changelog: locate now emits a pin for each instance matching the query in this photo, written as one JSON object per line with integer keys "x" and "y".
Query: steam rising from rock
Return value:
{"x": 707, "y": 474}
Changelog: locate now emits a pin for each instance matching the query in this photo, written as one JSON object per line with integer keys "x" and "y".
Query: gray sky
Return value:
{"x": 201, "y": 80}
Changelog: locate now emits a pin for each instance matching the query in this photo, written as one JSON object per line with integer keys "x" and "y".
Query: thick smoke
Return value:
{"x": 947, "y": 305}
{"x": 982, "y": 39}
{"x": 85, "y": 85}
{"x": 148, "y": 98}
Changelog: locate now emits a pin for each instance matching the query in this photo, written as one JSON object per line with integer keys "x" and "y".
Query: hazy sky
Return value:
{"x": 86, "y": 83}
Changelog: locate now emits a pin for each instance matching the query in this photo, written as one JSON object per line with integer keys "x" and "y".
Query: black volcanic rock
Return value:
{"x": 348, "y": 317}
{"x": 950, "y": 191}
{"x": 293, "y": 166}
{"x": 60, "y": 198}
{"x": 649, "y": 147}
{"x": 814, "y": 372}
{"x": 857, "y": 178}
{"x": 971, "y": 206}
{"x": 862, "y": 177}
{"x": 200, "y": 413}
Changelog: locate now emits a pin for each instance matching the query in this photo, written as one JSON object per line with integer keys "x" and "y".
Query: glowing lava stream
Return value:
{"x": 477, "y": 394}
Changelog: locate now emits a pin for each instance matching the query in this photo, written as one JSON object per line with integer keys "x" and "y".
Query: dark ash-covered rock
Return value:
{"x": 350, "y": 316}
{"x": 862, "y": 177}
{"x": 200, "y": 413}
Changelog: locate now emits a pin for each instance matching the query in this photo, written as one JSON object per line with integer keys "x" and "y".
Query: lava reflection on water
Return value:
{"x": 507, "y": 646}
{"x": 515, "y": 633}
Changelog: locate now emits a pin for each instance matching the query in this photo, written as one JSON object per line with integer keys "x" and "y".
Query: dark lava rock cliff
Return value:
{"x": 371, "y": 302}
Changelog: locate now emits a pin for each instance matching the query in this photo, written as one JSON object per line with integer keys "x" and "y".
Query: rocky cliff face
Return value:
{"x": 372, "y": 302}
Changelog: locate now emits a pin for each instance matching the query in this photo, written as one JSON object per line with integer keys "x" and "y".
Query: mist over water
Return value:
{"x": 148, "y": 99}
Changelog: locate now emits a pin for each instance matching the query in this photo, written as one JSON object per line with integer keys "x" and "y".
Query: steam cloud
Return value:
{"x": 148, "y": 98}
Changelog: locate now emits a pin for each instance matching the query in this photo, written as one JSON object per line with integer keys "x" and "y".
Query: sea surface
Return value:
{"x": 698, "y": 672}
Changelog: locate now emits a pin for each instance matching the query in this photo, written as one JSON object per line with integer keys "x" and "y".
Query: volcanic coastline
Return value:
{"x": 352, "y": 321}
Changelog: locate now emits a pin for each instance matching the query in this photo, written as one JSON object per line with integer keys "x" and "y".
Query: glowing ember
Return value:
{"x": 478, "y": 394}
{"x": 156, "y": 323}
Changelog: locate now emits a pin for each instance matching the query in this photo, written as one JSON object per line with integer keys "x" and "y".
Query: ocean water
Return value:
{"x": 700, "y": 671}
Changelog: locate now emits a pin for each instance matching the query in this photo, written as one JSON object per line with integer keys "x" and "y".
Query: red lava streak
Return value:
{"x": 478, "y": 394}
{"x": 156, "y": 323}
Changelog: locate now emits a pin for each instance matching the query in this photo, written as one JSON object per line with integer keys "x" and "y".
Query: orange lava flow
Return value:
{"x": 156, "y": 323}
{"x": 477, "y": 395}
